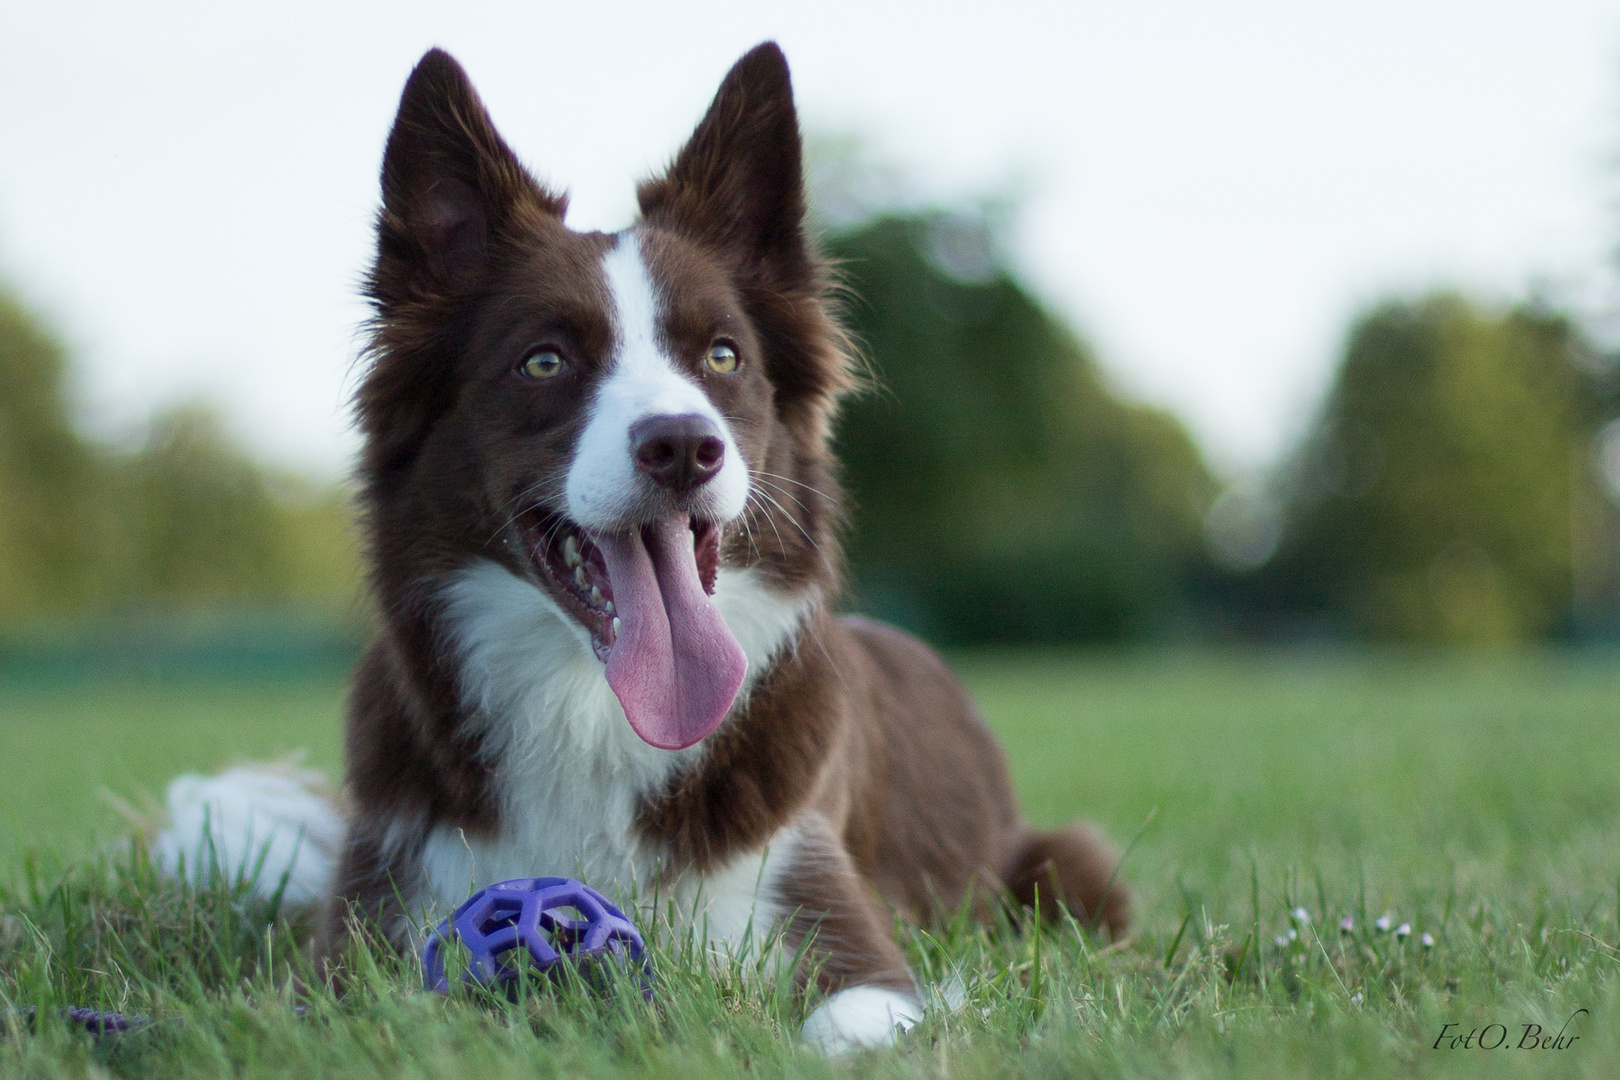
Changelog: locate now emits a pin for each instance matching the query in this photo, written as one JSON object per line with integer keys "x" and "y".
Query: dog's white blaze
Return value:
{"x": 603, "y": 488}
{"x": 860, "y": 1016}
{"x": 569, "y": 767}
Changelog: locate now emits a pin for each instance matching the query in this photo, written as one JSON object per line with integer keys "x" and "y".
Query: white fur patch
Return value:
{"x": 860, "y": 1017}
{"x": 603, "y": 488}
{"x": 263, "y": 825}
{"x": 732, "y": 908}
{"x": 569, "y": 768}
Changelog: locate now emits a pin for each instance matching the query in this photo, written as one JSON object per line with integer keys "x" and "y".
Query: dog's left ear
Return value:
{"x": 738, "y": 184}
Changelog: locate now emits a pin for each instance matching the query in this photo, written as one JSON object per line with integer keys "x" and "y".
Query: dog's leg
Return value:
{"x": 1073, "y": 869}
{"x": 833, "y": 921}
{"x": 376, "y": 875}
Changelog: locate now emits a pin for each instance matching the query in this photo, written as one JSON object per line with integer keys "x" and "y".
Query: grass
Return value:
{"x": 64, "y": 745}
{"x": 1475, "y": 799}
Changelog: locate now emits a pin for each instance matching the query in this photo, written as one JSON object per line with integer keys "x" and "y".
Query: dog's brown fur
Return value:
{"x": 858, "y": 735}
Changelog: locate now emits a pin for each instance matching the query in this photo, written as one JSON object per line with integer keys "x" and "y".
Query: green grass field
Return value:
{"x": 1476, "y": 800}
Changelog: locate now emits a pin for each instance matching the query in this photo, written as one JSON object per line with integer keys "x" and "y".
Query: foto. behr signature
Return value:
{"x": 1497, "y": 1036}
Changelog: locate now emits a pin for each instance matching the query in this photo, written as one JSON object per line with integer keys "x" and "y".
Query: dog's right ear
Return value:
{"x": 450, "y": 185}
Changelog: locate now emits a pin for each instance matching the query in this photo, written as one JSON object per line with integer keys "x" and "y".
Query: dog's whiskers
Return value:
{"x": 786, "y": 494}
{"x": 767, "y": 495}
{"x": 529, "y": 497}
{"x": 760, "y": 509}
{"x": 797, "y": 483}
{"x": 748, "y": 530}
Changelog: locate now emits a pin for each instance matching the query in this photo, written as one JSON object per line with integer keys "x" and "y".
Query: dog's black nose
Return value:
{"x": 678, "y": 452}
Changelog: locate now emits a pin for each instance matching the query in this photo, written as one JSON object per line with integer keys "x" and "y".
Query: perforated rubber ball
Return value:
{"x": 549, "y": 917}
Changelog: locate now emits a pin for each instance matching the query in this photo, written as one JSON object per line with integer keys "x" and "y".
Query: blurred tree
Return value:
{"x": 187, "y": 519}
{"x": 43, "y": 468}
{"x": 207, "y": 522}
{"x": 1447, "y": 492}
{"x": 202, "y": 523}
{"x": 1000, "y": 490}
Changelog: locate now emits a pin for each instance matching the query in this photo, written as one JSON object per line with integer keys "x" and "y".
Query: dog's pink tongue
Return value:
{"x": 675, "y": 666}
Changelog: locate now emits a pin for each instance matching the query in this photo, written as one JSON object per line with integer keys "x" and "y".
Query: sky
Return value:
{"x": 1207, "y": 192}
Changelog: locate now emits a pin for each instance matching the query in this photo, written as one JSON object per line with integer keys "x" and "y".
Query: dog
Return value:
{"x": 602, "y": 518}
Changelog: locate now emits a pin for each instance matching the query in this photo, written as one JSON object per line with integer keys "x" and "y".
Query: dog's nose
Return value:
{"x": 678, "y": 452}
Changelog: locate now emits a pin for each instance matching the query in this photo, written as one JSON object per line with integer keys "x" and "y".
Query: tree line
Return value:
{"x": 1457, "y": 485}
{"x": 185, "y": 520}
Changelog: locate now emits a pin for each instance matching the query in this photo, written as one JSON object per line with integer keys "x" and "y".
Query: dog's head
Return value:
{"x": 616, "y": 418}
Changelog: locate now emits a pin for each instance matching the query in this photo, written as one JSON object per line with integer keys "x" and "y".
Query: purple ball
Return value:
{"x": 529, "y": 913}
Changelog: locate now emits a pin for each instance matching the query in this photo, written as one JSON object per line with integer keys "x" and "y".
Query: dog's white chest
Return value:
{"x": 569, "y": 770}
{"x": 550, "y": 826}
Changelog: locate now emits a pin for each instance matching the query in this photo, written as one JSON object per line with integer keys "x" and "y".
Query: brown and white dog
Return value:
{"x": 603, "y": 518}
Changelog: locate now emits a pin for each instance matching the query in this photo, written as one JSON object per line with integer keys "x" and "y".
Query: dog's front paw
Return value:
{"x": 859, "y": 1017}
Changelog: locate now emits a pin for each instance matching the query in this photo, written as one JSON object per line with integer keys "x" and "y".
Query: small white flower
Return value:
{"x": 1282, "y": 941}
{"x": 1428, "y": 940}
{"x": 1356, "y": 999}
{"x": 1301, "y": 915}
{"x": 1404, "y": 930}
{"x": 1383, "y": 924}
{"x": 1347, "y": 925}
{"x": 1293, "y": 935}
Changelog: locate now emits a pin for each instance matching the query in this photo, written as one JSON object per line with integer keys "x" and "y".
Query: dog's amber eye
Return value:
{"x": 722, "y": 359}
{"x": 542, "y": 364}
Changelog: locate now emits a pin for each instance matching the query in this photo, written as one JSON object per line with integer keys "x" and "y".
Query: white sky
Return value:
{"x": 1212, "y": 189}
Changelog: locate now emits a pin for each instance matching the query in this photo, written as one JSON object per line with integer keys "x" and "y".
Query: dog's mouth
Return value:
{"x": 643, "y": 595}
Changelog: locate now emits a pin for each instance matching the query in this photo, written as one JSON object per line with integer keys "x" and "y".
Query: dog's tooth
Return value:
{"x": 579, "y": 576}
{"x": 615, "y": 626}
{"x": 608, "y": 607}
{"x": 571, "y": 550}
{"x": 596, "y": 596}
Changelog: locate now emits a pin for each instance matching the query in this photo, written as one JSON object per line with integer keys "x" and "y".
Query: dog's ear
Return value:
{"x": 738, "y": 184}
{"x": 449, "y": 187}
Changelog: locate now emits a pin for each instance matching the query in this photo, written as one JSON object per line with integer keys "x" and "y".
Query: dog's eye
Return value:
{"x": 722, "y": 358}
{"x": 542, "y": 364}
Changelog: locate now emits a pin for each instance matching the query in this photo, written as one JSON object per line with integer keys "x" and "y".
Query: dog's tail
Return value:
{"x": 1074, "y": 869}
{"x": 276, "y": 828}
